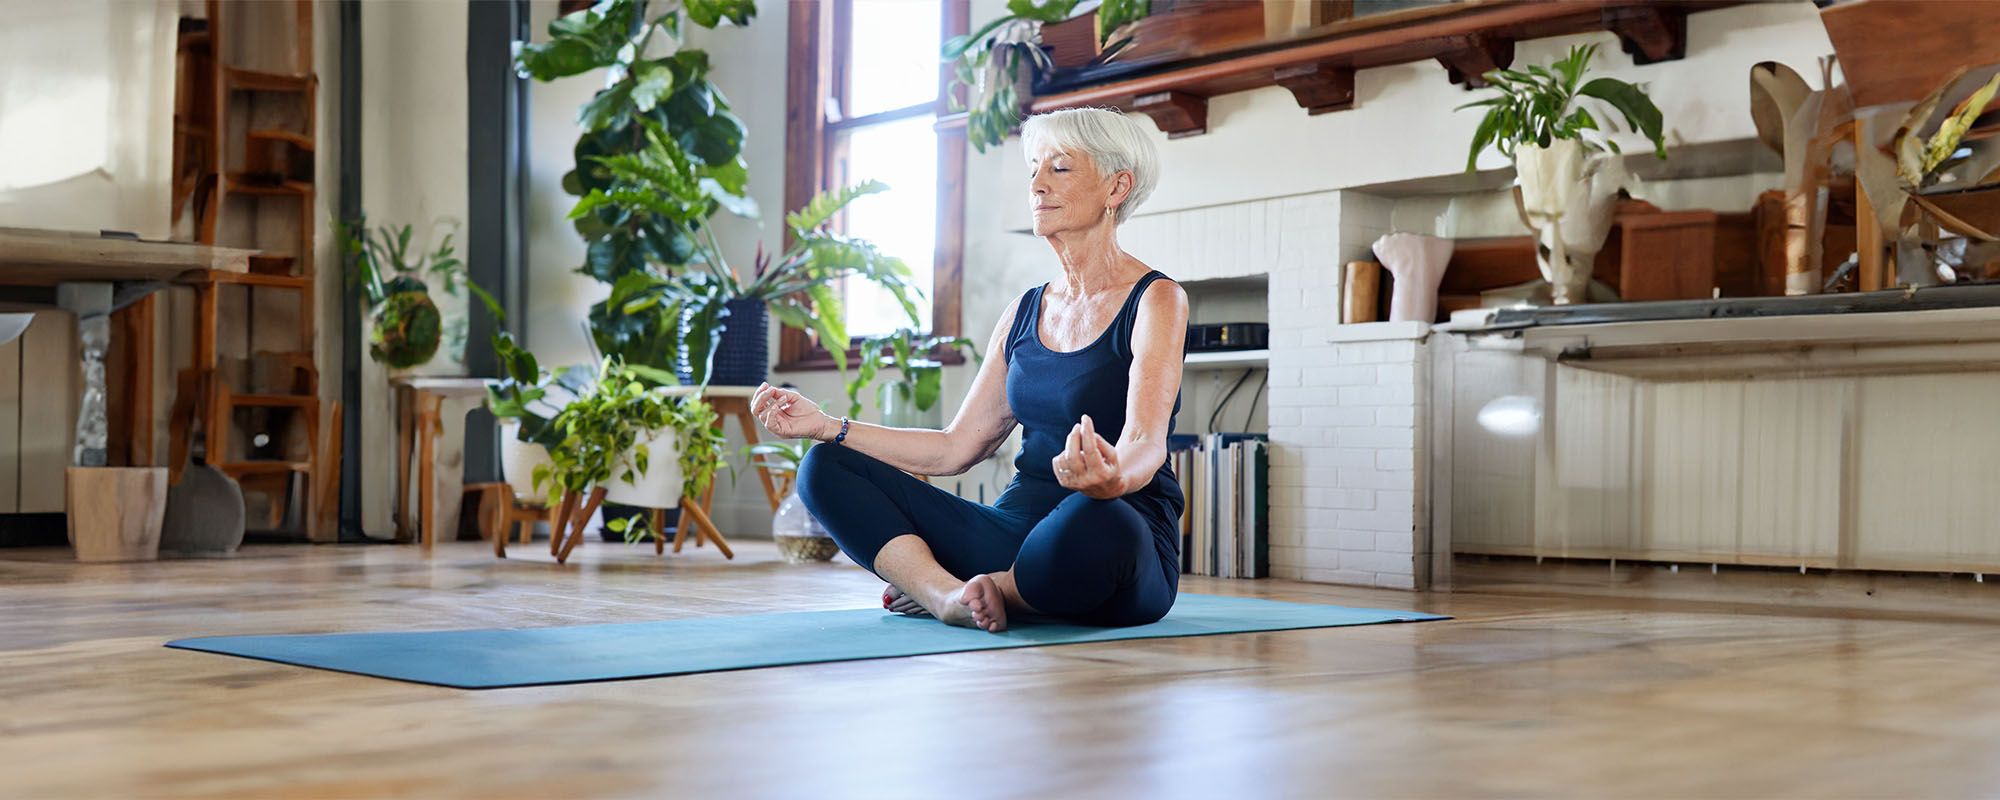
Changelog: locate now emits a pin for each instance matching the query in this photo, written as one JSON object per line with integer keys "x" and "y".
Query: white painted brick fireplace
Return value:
{"x": 1347, "y": 488}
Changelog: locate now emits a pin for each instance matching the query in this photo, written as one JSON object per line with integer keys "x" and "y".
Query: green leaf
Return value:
{"x": 709, "y": 13}
{"x": 1488, "y": 127}
{"x": 929, "y": 383}
{"x": 829, "y": 320}
{"x": 741, "y": 206}
{"x": 1115, "y": 14}
{"x": 1042, "y": 10}
{"x": 606, "y": 107}
{"x": 733, "y": 176}
{"x": 1634, "y": 105}
{"x": 714, "y": 140}
{"x": 557, "y": 59}
{"x": 827, "y": 204}
{"x": 653, "y": 82}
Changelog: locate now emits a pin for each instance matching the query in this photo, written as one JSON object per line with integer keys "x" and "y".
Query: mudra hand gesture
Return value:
{"x": 787, "y": 413}
{"x": 1089, "y": 464}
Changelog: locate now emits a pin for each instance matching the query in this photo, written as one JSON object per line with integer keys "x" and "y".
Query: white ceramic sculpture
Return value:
{"x": 1567, "y": 196}
{"x": 1417, "y": 262}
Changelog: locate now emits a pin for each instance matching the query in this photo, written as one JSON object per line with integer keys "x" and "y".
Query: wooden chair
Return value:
{"x": 502, "y": 513}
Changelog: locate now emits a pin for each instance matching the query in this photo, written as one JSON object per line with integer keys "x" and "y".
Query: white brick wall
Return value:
{"x": 1345, "y": 446}
{"x": 1346, "y": 452}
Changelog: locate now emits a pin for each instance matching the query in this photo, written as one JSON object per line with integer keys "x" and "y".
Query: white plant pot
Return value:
{"x": 660, "y": 485}
{"x": 518, "y": 460}
{"x": 1567, "y": 196}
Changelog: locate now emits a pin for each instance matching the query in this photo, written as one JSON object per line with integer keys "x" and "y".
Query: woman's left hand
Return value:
{"x": 1088, "y": 464}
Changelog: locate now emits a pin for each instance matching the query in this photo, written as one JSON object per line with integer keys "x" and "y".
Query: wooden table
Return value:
{"x": 419, "y": 420}
{"x": 91, "y": 276}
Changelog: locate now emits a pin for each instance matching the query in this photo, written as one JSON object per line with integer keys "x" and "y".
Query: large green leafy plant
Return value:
{"x": 1540, "y": 105}
{"x": 800, "y": 285}
{"x": 646, "y": 95}
{"x": 659, "y": 157}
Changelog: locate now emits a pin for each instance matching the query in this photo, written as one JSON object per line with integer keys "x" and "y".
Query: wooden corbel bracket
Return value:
{"x": 1651, "y": 34}
{"x": 1319, "y": 88}
{"x": 1178, "y": 114}
{"x": 1475, "y": 55}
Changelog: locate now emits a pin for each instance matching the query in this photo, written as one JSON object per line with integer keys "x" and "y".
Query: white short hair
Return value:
{"x": 1113, "y": 141}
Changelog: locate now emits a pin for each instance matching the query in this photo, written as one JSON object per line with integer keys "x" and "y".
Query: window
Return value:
{"x": 866, "y": 90}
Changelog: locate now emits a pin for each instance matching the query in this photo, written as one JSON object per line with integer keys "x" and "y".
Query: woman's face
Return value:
{"x": 1066, "y": 192}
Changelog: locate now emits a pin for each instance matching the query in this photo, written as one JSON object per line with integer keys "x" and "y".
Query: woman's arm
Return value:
{"x": 983, "y": 420}
{"x": 1159, "y": 339}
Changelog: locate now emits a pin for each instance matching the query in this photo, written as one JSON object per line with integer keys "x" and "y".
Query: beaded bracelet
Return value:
{"x": 842, "y": 437}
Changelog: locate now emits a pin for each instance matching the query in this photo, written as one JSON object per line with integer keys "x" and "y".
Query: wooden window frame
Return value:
{"x": 817, "y": 38}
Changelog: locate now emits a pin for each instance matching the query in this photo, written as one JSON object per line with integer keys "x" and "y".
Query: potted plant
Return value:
{"x": 799, "y": 286}
{"x": 989, "y": 61}
{"x": 1569, "y": 173}
{"x": 683, "y": 454}
{"x": 407, "y": 326}
{"x": 623, "y": 433}
{"x": 910, "y": 401}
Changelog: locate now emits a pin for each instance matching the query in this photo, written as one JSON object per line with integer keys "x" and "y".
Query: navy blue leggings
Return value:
{"x": 1098, "y": 562}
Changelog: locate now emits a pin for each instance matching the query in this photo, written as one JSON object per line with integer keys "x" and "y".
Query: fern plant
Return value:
{"x": 1540, "y": 105}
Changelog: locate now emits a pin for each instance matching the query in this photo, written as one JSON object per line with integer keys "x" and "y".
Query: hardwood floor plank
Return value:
{"x": 1519, "y": 695}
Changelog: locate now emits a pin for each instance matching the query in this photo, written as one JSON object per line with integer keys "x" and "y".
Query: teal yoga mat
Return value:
{"x": 492, "y": 659}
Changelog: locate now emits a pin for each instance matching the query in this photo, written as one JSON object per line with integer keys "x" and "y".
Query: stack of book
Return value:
{"x": 1225, "y": 528}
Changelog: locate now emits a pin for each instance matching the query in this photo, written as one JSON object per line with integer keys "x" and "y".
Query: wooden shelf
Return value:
{"x": 300, "y": 141}
{"x": 272, "y": 400}
{"x": 255, "y": 279}
{"x": 256, "y": 81}
{"x": 1318, "y": 68}
{"x": 242, "y": 184}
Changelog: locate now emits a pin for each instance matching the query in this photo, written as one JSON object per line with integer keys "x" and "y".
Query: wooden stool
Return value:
{"x": 501, "y": 512}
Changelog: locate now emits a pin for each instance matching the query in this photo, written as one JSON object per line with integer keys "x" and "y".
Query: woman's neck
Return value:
{"x": 1091, "y": 260}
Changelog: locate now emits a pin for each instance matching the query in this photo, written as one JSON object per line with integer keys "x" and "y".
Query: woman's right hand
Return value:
{"x": 789, "y": 414}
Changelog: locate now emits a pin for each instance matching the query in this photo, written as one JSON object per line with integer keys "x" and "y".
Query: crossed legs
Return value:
{"x": 970, "y": 565}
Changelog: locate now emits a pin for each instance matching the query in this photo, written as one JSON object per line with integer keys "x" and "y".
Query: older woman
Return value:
{"x": 1088, "y": 530}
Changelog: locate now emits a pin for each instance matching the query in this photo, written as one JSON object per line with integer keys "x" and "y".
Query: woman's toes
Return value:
{"x": 989, "y": 611}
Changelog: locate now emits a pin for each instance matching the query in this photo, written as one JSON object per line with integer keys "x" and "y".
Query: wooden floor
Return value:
{"x": 1518, "y": 696}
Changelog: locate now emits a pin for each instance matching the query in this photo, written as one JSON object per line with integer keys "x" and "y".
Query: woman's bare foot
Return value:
{"x": 985, "y": 607}
{"x": 896, "y": 600}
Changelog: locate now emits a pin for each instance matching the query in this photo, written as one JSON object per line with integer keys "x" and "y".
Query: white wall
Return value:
{"x": 558, "y": 300}
{"x": 413, "y": 169}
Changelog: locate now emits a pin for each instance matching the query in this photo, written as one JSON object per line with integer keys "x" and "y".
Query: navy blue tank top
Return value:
{"x": 1050, "y": 392}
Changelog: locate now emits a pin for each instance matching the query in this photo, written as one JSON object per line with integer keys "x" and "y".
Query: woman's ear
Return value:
{"x": 1121, "y": 188}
